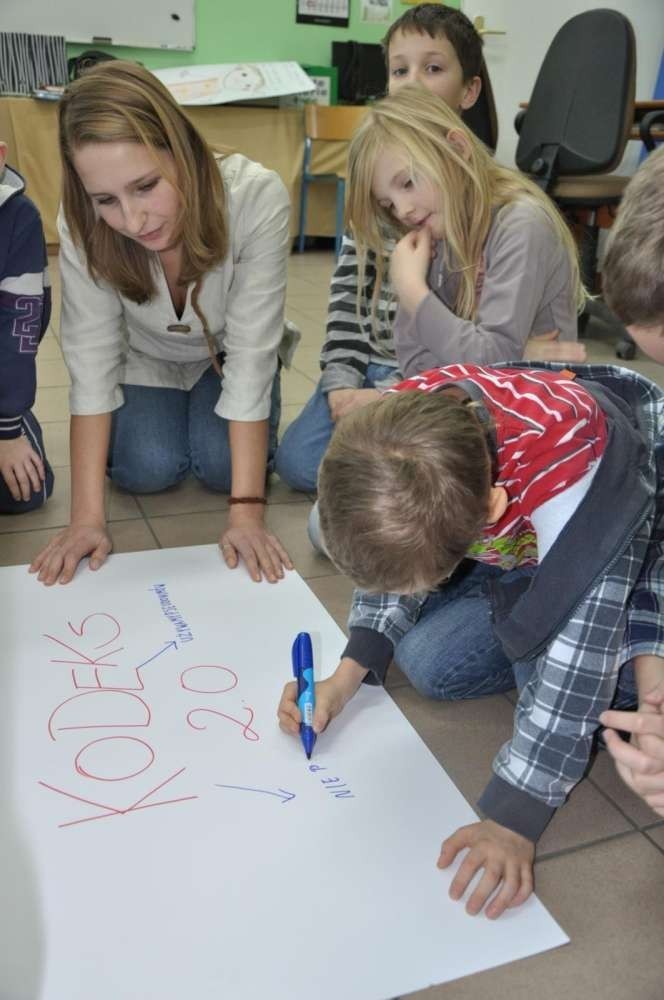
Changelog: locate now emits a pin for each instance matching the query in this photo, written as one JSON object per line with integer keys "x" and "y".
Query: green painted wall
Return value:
{"x": 258, "y": 31}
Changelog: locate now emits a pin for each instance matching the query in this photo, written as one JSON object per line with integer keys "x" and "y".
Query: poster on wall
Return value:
{"x": 375, "y": 11}
{"x": 334, "y": 13}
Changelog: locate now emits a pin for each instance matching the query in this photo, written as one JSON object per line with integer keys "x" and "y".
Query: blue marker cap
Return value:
{"x": 303, "y": 671}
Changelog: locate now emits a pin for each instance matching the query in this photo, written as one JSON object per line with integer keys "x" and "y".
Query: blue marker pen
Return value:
{"x": 303, "y": 671}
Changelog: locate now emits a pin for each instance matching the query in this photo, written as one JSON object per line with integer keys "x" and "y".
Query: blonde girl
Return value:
{"x": 483, "y": 261}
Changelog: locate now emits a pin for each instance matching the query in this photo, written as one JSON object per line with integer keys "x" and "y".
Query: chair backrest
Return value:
{"x": 582, "y": 106}
{"x": 482, "y": 118}
{"x": 334, "y": 122}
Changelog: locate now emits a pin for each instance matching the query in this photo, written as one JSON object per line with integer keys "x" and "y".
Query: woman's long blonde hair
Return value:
{"x": 123, "y": 102}
{"x": 471, "y": 189}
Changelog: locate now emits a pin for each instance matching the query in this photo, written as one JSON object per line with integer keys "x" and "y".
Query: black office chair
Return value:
{"x": 578, "y": 121}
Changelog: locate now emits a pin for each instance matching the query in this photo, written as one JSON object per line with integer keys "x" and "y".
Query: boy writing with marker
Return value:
{"x": 509, "y": 467}
{"x": 633, "y": 279}
{"x": 26, "y": 478}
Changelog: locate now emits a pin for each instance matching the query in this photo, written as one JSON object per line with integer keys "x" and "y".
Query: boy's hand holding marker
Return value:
{"x": 332, "y": 695}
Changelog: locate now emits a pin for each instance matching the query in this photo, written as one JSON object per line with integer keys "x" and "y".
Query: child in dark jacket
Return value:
{"x": 26, "y": 478}
{"x": 470, "y": 505}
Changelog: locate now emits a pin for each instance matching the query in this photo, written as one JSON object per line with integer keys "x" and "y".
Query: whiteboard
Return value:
{"x": 161, "y": 837}
{"x": 153, "y": 24}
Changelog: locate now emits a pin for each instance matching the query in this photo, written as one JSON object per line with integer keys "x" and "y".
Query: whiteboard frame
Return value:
{"x": 99, "y": 23}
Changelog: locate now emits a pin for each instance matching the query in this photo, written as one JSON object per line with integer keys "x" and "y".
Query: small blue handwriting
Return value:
{"x": 182, "y": 630}
{"x": 335, "y": 786}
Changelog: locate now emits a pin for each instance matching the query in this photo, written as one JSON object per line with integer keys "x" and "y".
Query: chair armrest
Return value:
{"x": 645, "y": 127}
{"x": 518, "y": 121}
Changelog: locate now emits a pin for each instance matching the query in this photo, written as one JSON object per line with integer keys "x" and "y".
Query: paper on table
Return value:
{"x": 224, "y": 82}
{"x": 163, "y": 838}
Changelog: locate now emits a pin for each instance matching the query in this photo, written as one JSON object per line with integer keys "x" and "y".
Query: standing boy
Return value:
{"x": 26, "y": 478}
{"x": 511, "y": 467}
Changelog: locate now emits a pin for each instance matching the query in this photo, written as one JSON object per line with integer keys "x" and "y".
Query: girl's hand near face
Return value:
{"x": 409, "y": 266}
{"x": 246, "y": 537}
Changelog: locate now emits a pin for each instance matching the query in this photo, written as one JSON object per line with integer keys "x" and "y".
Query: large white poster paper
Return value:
{"x": 161, "y": 838}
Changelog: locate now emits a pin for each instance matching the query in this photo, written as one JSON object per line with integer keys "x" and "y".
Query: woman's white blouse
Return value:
{"x": 108, "y": 340}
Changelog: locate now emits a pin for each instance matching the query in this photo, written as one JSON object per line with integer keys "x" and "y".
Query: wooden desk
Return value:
{"x": 272, "y": 136}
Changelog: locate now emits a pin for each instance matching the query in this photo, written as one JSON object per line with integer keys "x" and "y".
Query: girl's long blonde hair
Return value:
{"x": 123, "y": 102}
{"x": 471, "y": 189}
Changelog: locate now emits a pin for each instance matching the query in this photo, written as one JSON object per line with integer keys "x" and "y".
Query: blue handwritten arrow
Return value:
{"x": 281, "y": 793}
{"x": 169, "y": 645}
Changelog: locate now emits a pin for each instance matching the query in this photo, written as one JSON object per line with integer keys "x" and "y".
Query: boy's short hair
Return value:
{"x": 437, "y": 20}
{"x": 633, "y": 270}
{"x": 403, "y": 490}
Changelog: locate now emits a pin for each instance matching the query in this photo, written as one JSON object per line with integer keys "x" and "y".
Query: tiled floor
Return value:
{"x": 601, "y": 861}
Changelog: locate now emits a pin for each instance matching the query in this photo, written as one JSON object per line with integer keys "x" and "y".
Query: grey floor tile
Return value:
{"x": 289, "y": 522}
{"x": 19, "y": 548}
{"x": 56, "y": 441}
{"x": 334, "y": 593}
{"x": 187, "y": 497}
{"x": 49, "y": 348}
{"x": 656, "y": 833}
{"x": 610, "y": 900}
{"x": 51, "y": 372}
{"x": 52, "y": 403}
{"x": 463, "y": 735}
{"x": 295, "y": 387}
{"x": 188, "y": 529}
{"x": 131, "y": 536}
{"x": 586, "y": 817}
{"x": 288, "y": 414}
{"x": 280, "y": 492}
{"x": 286, "y": 520}
{"x": 55, "y": 512}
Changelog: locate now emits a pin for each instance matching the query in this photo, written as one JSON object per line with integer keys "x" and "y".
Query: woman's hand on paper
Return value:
{"x": 246, "y": 537}
{"x": 342, "y": 401}
{"x": 507, "y": 859}
{"x": 548, "y": 347}
{"x": 57, "y": 562}
{"x": 332, "y": 695}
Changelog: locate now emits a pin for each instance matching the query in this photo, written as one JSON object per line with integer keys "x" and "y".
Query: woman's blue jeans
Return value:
{"x": 160, "y": 435}
{"x": 306, "y": 439}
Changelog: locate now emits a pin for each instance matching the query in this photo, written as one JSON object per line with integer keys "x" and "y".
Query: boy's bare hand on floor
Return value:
{"x": 507, "y": 859}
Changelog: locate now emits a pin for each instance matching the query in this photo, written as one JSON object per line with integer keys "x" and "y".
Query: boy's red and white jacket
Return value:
{"x": 598, "y": 591}
{"x": 25, "y": 302}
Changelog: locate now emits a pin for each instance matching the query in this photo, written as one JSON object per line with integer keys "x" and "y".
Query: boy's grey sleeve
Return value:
{"x": 645, "y": 615}
{"x": 523, "y": 258}
{"x": 557, "y": 715}
{"x": 377, "y": 623}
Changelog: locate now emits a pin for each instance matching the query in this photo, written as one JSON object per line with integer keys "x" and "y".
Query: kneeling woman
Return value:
{"x": 173, "y": 263}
